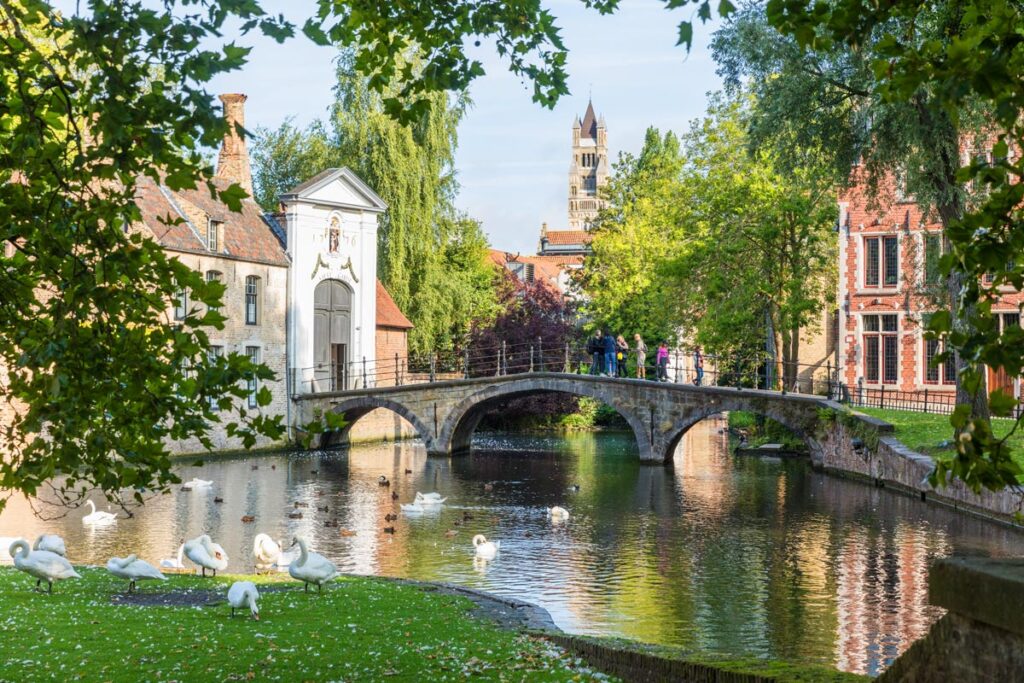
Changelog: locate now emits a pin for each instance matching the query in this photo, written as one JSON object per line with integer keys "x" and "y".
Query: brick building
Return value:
{"x": 889, "y": 283}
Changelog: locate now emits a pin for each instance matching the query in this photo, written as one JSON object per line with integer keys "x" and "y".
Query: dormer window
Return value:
{"x": 213, "y": 235}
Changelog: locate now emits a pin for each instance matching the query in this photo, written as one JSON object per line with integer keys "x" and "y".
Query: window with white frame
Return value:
{"x": 214, "y": 276}
{"x": 942, "y": 373}
{"x": 881, "y": 261}
{"x": 213, "y": 354}
{"x": 880, "y": 341}
{"x": 180, "y": 304}
{"x": 253, "y": 353}
{"x": 252, "y": 300}
{"x": 213, "y": 235}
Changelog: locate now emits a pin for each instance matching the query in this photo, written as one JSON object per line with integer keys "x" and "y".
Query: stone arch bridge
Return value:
{"x": 446, "y": 413}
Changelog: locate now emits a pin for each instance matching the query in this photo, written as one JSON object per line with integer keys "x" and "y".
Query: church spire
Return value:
{"x": 590, "y": 122}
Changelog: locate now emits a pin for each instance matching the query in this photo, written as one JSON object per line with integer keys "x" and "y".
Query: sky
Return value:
{"x": 513, "y": 155}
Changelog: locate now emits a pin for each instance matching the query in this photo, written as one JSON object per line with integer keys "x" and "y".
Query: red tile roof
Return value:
{"x": 245, "y": 235}
{"x": 388, "y": 313}
{"x": 569, "y": 237}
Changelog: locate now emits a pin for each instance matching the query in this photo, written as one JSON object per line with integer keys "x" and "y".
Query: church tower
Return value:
{"x": 588, "y": 170}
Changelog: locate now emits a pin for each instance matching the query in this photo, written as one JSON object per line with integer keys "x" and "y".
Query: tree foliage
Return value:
{"x": 930, "y": 77}
{"x": 636, "y": 233}
{"x": 757, "y": 249}
{"x": 432, "y": 260}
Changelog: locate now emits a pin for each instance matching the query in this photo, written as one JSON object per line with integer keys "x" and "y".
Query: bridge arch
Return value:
{"x": 456, "y": 432}
{"x": 357, "y": 407}
{"x": 798, "y": 424}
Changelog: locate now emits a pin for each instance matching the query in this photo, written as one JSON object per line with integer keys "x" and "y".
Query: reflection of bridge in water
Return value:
{"x": 445, "y": 413}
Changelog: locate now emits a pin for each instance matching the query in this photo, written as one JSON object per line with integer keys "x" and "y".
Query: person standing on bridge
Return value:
{"x": 621, "y": 353}
{"x": 641, "y": 357}
{"x": 595, "y": 347}
{"x": 662, "y": 360}
{"x": 610, "y": 348}
{"x": 698, "y": 366}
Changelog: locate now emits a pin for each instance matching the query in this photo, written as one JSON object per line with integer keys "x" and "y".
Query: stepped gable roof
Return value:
{"x": 589, "y": 122}
{"x": 562, "y": 237}
{"x": 171, "y": 217}
{"x": 388, "y": 312}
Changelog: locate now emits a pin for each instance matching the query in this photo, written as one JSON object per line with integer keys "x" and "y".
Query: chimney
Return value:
{"x": 233, "y": 162}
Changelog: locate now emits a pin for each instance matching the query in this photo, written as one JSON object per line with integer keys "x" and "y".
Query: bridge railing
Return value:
{"x": 499, "y": 358}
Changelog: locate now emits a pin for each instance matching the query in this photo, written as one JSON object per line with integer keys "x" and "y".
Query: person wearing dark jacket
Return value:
{"x": 595, "y": 347}
{"x": 610, "y": 349}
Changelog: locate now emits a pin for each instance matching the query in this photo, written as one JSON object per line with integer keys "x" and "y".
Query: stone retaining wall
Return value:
{"x": 890, "y": 463}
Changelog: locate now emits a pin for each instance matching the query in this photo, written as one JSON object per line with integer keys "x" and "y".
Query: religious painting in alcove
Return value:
{"x": 334, "y": 235}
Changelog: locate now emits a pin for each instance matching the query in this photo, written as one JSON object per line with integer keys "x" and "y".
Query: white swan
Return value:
{"x": 429, "y": 498}
{"x": 207, "y": 554}
{"x": 197, "y": 483}
{"x": 174, "y": 562}
{"x": 52, "y": 543}
{"x": 99, "y": 517}
{"x": 5, "y": 544}
{"x": 243, "y": 594}
{"x": 266, "y": 551}
{"x": 558, "y": 514}
{"x": 485, "y": 549}
{"x": 311, "y": 567}
{"x": 133, "y": 569}
{"x": 42, "y": 564}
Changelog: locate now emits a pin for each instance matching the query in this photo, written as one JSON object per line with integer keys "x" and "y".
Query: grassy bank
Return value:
{"x": 932, "y": 434}
{"x": 357, "y": 630}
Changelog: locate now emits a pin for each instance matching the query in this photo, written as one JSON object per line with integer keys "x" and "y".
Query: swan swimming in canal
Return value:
{"x": 42, "y": 564}
{"x": 429, "y": 498}
{"x": 207, "y": 554}
{"x": 133, "y": 569}
{"x": 558, "y": 514}
{"x": 174, "y": 562}
{"x": 243, "y": 594}
{"x": 197, "y": 483}
{"x": 98, "y": 516}
{"x": 52, "y": 543}
{"x": 485, "y": 549}
{"x": 311, "y": 567}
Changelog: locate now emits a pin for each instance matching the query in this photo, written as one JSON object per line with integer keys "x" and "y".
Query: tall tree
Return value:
{"x": 432, "y": 260}
{"x": 635, "y": 234}
{"x": 757, "y": 254}
{"x": 823, "y": 101}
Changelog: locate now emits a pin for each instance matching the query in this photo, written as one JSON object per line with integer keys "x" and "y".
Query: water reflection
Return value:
{"x": 735, "y": 555}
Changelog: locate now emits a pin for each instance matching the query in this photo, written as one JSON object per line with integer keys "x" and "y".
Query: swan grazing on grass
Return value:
{"x": 485, "y": 549}
{"x": 51, "y": 543}
{"x": 429, "y": 498}
{"x": 42, "y": 564}
{"x": 207, "y": 554}
{"x": 311, "y": 567}
{"x": 98, "y": 517}
{"x": 174, "y": 562}
{"x": 558, "y": 514}
{"x": 134, "y": 570}
{"x": 243, "y": 594}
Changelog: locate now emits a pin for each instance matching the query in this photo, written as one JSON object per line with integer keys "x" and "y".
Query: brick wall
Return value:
{"x": 909, "y": 299}
{"x": 383, "y": 424}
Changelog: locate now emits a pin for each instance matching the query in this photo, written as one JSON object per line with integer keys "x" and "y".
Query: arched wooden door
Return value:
{"x": 332, "y": 334}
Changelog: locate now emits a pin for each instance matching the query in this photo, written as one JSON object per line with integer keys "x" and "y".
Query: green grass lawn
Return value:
{"x": 358, "y": 629}
{"x": 926, "y": 432}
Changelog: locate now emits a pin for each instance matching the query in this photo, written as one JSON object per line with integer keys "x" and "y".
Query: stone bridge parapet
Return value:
{"x": 446, "y": 413}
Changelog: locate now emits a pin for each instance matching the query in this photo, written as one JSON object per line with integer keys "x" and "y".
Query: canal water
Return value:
{"x": 721, "y": 553}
